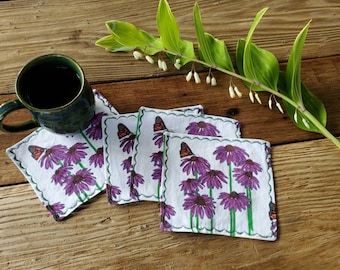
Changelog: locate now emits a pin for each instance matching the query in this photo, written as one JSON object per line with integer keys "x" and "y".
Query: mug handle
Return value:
{"x": 9, "y": 107}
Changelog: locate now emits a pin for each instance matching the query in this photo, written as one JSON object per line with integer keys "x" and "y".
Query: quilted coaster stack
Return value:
{"x": 206, "y": 178}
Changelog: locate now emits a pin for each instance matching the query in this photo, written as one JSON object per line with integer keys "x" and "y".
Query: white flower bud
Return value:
{"x": 295, "y": 116}
{"x": 208, "y": 79}
{"x": 270, "y": 103}
{"x": 305, "y": 122}
{"x": 164, "y": 66}
{"x": 149, "y": 59}
{"x": 278, "y": 105}
{"x": 258, "y": 98}
{"x": 137, "y": 55}
{"x": 213, "y": 81}
{"x": 231, "y": 92}
{"x": 159, "y": 62}
{"x": 238, "y": 93}
{"x": 251, "y": 97}
{"x": 178, "y": 61}
{"x": 177, "y": 66}
{"x": 197, "y": 77}
{"x": 189, "y": 76}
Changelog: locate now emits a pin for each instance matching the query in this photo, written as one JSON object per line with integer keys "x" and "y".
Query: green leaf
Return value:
{"x": 129, "y": 36}
{"x": 126, "y": 33}
{"x": 239, "y": 55}
{"x": 259, "y": 65}
{"x": 111, "y": 44}
{"x": 155, "y": 44}
{"x": 169, "y": 33}
{"x": 294, "y": 67}
{"x": 311, "y": 102}
{"x": 167, "y": 26}
{"x": 211, "y": 50}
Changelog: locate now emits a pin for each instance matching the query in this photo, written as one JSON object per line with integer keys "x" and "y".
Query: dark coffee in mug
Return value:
{"x": 54, "y": 89}
{"x": 50, "y": 86}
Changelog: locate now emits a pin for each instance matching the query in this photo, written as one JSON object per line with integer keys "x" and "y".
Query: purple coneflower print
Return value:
{"x": 127, "y": 143}
{"x": 194, "y": 165}
{"x": 199, "y": 205}
{"x": 165, "y": 226}
{"x": 231, "y": 154}
{"x": 167, "y": 210}
{"x": 98, "y": 158}
{"x": 158, "y": 139}
{"x": 251, "y": 166}
{"x": 95, "y": 130}
{"x": 246, "y": 178}
{"x": 127, "y": 164}
{"x": 135, "y": 179}
{"x": 202, "y": 128}
{"x": 234, "y": 201}
{"x": 60, "y": 175}
{"x": 157, "y": 174}
{"x": 112, "y": 191}
{"x": 157, "y": 158}
{"x": 274, "y": 228}
{"x": 269, "y": 157}
{"x": 213, "y": 179}
{"x": 190, "y": 185}
{"x": 75, "y": 153}
{"x": 79, "y": 182}
{"x": 55, "y": 209}
{"x": 134, "y": 194}
{"x": 97, "y": 119}
{"x": 53, "y": 155}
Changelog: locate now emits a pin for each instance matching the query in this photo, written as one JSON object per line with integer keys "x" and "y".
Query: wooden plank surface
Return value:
{"x": 29, "y": 28}
{"x": 99, "y": 236}
{"x": 320, "y": 75}
{"x": 124, "y": 237}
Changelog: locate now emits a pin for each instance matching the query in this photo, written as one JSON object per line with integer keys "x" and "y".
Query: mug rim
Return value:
{"x": 78, "y": 70}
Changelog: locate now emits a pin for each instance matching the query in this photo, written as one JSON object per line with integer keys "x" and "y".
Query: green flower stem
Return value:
{"x": 86, "y": 196}
{"x": 159, "y": 192}
{"x": 81, "y": 165}
{"x": 191, "y": 223}
{"x": 321, "y": 128}
{"x": 96, "y": 184}
{"x": 302, "y": 110}
{"x": 232, "y": 222}
{"x": 230, "y": 179}
{"x": 79, "y": 198}
{"x": 212, "y": 218}
{"x": 88, "y": 141}
{"x": 250, "y": 212}
{"x": 197, "y": 224}
{"x": 232, "y": 211}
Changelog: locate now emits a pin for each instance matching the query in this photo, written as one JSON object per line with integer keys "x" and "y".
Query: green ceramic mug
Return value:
{"x": 53, "y": 88}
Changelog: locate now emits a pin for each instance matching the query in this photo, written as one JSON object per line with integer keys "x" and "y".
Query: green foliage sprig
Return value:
{"x": 257, "y": 68}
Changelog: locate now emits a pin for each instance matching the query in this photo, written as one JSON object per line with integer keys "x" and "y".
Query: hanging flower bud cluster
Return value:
{"x": 210, "y": 79}
{"x": 161, "y": 63}
{"x": 234, "y": 91}
{"x": 277, "y": 104}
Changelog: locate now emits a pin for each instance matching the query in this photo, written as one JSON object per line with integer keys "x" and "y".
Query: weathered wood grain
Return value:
{"x": 31, "y": 28}
{"x": 320, "y": 75}
{"x": 99, "y": 236}
{"x": 126, "y": 237}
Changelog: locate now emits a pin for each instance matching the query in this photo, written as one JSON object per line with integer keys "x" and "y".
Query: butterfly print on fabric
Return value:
{"x": 122, "y": 131}
{"x": 36, "y": 151}
{"x": 159, "y": 124}
{"x": 185, "y": 150}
